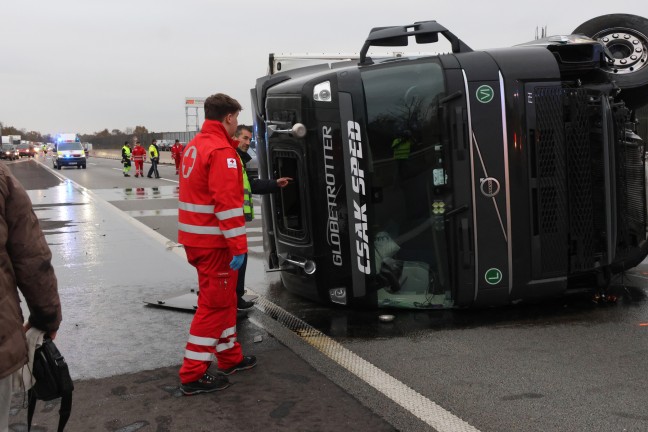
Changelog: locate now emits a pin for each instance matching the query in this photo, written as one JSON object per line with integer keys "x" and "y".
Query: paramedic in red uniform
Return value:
{"x": 211, "y": 226}
{"x": 176, "y": 154}
{"x": 139, "y": 156}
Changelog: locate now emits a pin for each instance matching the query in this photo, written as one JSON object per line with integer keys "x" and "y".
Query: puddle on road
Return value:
{"x": 158, "y": 212}
{"x": 138, "y": 193}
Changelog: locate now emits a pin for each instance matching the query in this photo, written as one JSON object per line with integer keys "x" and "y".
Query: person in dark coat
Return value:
{"x": 25, "y": 265}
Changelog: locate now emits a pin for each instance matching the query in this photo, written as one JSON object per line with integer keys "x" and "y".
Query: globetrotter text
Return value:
{"x": 333, "y": 225}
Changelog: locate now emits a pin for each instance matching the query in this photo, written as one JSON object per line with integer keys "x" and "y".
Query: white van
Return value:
{"x": 69, "y": 153}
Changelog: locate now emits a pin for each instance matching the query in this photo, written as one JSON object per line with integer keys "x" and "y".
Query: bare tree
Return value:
{"x": 140, "y": 130}
{"x": 103, "y": 133}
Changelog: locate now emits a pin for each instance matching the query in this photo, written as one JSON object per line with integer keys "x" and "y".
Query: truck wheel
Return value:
{"x": 626, "y": 37}
{"x": 58, "y": 166}
{"x": 83, "y": 166}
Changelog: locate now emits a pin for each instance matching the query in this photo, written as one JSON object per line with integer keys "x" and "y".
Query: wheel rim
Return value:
{"x": 629, "y": 49}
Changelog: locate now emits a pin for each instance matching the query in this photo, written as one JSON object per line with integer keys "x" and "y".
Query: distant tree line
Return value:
{"x": 137, "y": 130}
{"x": 27, "y": 136}
{"x": 38, "y": 137}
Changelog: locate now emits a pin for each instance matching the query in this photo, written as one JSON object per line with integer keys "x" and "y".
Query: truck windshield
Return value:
{"x": 409, "y": 177}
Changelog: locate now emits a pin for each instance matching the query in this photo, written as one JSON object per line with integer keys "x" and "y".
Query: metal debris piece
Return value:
{"x": 386, "y": 318}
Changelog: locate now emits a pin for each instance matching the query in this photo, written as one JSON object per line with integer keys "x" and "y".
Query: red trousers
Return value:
{"x": 178, "y": 161}
{"x": 139, "y": 167}
{"x": 213, "y": 329}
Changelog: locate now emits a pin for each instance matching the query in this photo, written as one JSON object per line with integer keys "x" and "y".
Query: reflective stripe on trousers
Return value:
{"x": 213, "y": 329}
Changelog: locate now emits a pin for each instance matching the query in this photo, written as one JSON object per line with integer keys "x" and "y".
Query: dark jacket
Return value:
{"x": 258, "y": 186}
{"x": 25, "y": 264}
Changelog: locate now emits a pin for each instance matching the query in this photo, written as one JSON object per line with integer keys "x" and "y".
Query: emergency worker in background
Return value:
{"x": 25, "y": 265}
{"x": 211, "y": 226}
{"x": 254, "y": 186}
{"x": 176, "y": 154}
{"x": 126, "y": 158}
{"x": 402, "y": 146}
{"x": 139, "y": 156}
{"x": 154, "y": 152}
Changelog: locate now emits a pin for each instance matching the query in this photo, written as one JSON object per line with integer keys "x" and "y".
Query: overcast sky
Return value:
{"x": 86, "y": 65}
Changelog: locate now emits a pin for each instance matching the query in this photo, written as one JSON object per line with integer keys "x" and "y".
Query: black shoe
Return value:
{"x": 148, "y": 176}
{"x": 243, "y": 304}
{"x": 126, "y": 175}
{"x": 207, "y": 384}
{"x": 248, "y": 362}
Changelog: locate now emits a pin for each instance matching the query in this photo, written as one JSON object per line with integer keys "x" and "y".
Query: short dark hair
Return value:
{"x": 177, "y": 141}
{"x": 125, "y": 142}
{"x": 218, "y": 106}
{"x": 242, "y": 127}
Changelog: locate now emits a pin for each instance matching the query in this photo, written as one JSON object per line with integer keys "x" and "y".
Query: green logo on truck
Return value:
{"x": 493, "y": 276}
{"x": 485, "y": 93}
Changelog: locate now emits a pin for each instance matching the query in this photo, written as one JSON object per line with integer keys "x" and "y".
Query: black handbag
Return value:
{"x": 52, "y": 381}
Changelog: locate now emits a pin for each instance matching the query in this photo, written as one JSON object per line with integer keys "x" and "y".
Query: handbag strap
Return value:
{"x": 31, "y": 405}
{"x": 64, "y": 411}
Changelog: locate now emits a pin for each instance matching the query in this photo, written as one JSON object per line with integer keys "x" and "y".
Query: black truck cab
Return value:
{"x": 475, "y": 178}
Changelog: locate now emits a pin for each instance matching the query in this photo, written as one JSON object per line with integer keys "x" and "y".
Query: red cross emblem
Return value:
{"x": 188, "y": 161}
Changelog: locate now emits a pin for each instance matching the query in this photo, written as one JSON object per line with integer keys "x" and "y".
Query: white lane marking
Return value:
{"x": 408, "y": 398}
{"x": 253, "y": 229}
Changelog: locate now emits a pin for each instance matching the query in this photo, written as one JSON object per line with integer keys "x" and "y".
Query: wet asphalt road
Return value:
{"x": 563, "y": 365}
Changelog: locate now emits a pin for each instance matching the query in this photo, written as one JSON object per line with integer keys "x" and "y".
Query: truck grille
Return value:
{"x": 564, "y": 164}
{"x": 551, "y": 180}
{"x": 631, "y": 186}
{"x": 569, "y": 165}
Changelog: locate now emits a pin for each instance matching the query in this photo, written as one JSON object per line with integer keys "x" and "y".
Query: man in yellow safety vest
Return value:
{"x": 255, "y": 186}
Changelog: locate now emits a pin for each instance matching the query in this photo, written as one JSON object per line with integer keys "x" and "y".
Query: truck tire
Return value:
{"x": 626, "y": 37}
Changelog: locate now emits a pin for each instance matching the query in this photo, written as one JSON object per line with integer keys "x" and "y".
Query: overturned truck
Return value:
{"x": 473, "y": 178}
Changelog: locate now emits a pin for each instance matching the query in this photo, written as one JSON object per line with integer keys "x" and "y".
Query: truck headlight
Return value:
{"x": 322, "y": 92}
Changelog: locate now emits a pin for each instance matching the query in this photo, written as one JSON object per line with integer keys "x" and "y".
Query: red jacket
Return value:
{"x": 139, "y": 153}
{"x": 210, "y": 204}
{"x": 176, "y": 150}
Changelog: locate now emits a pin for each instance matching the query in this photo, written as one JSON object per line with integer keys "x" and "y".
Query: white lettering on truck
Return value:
{"x": 359, "y": 211}
{"x": 333, "y": 225}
